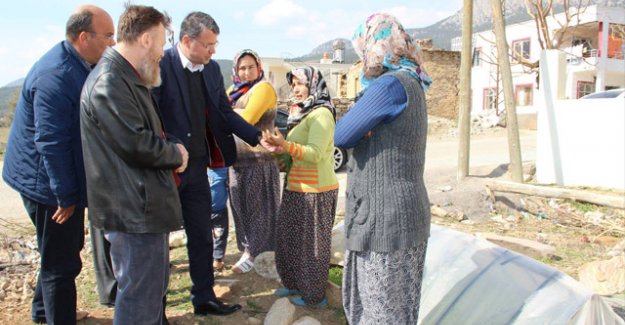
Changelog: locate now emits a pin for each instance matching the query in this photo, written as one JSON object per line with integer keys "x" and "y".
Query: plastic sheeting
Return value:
{"x": 472, "y": 281}
{"x": 468, "y": 280}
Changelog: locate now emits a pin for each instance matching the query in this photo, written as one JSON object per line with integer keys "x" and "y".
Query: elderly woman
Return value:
{"x": 304, "y": 225}
{"x": 254, "y": 178}
{"x": 387, "y": 220}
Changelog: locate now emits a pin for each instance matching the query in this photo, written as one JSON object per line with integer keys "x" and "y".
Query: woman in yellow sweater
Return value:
{"x": 304, "y": 225}
{"x": 254, "y": 178}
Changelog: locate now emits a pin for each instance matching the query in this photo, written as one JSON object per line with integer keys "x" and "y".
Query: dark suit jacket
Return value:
{"x": 222, "y": 122}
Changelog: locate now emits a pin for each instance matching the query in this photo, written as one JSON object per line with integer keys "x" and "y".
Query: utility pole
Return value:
{"x": 514, "y": 145}
{"x": 464, "y": 114}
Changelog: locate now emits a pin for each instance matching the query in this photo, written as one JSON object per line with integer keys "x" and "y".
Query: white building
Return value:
{"x": 593, "y": 45}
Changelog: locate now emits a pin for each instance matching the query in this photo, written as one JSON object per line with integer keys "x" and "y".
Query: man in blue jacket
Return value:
{"x": 194, "y": 107}
{"x": 44, "y": 161}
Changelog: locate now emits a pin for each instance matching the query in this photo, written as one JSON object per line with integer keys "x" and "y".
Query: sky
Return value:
{"x": 273, "y": 28}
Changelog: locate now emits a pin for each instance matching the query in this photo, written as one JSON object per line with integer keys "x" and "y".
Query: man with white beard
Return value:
{"x": 130, "y": 164}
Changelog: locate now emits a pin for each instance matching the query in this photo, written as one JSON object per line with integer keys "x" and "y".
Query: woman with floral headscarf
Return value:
{"x": 254, "y": 178}
{"x": 387, "y": 221}
{"x": 304, "y": 225}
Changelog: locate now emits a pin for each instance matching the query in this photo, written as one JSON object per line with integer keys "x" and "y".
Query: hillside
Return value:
{"x": 317, "y": 53}
{"x": 226, "y": 71}
{"x": 7, "y": 95}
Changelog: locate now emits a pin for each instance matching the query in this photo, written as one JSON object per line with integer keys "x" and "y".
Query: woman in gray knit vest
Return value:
{"x": 387, "y": 222}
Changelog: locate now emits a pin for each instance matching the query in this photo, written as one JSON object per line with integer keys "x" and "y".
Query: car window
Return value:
{"x": 281, "y": 118}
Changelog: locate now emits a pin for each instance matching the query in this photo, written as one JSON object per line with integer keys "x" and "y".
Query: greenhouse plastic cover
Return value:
{"x": 468, "y": 280}
{"x": 472, "y": 281}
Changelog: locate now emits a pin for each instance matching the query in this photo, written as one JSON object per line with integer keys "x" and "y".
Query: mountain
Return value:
{"x": 226, "y": 71}
{"x": 16, "y": 83}
{"x": 317, "y": 53}
{"x": 443, "y": 31}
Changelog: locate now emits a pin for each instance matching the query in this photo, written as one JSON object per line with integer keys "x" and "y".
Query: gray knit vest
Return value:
{"x": 387, "y": 203}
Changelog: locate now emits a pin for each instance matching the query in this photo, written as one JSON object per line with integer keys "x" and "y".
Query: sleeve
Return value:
{"x": 54, "y": 113}
{"x": 120, "y": 119}
{"x": 237, "y": 124}
{"x": 320, "y": 134}
{"x": 382, "y": 102}
{"x": 263, "y": 99}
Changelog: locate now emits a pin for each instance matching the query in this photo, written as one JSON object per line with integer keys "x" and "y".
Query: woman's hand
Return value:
{"x": 274, "y": 142}
{"x": 274, "y": 138}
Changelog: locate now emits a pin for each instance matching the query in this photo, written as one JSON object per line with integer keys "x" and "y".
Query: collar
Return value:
{"x": 75, "y": 53}
{"x": 186, "y": 63}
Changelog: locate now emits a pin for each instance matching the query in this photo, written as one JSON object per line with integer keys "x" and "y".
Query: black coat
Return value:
{"x": 128, "y": 162}
{"x": 222, "y": 122}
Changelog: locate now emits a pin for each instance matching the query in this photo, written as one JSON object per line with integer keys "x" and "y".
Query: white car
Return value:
{"x": 612, "y": 93}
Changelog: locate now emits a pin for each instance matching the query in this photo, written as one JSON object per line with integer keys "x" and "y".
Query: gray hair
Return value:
{"x": 195, "y": 23}
{"x": 77, "y": 23}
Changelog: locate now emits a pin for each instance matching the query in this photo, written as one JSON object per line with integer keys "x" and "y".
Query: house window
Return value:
{"x": 490, "y": 98}
{"x": 524, "y": 95}
{"x": 476, "y": 60}
{"x": 584, "y": 88}
{"x": 521, "y": 48}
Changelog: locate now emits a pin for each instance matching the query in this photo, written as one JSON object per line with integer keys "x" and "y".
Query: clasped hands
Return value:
{"x": 273, "y": 141}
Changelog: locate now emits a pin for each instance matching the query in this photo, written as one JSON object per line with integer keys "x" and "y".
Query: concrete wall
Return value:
{"x": 582, "y": 143}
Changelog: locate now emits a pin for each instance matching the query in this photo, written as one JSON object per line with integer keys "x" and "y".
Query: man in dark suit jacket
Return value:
{"x": 194, "y": 107}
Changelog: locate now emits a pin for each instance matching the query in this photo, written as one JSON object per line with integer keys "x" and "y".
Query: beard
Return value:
{"x": 150, "y": 72}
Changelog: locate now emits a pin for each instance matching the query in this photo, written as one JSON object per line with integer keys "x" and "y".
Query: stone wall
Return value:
{"x": 443, "y": 67}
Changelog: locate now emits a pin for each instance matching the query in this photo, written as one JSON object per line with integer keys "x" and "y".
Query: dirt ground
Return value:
{"x": 554, "y": 222}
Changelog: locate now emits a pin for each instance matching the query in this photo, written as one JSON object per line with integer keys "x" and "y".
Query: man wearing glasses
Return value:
{"x": 194, "y": 107}
{"x": 44, "y": 160}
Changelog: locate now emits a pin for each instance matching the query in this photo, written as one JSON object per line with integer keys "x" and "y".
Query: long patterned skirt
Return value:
{"x": 383, "y": 288}
{"x": 254, "y": 200}
{"x": 304, "y": 235}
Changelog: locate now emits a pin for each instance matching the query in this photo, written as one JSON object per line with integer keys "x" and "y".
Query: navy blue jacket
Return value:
{"x": 175, "y": 108}
{"x": 43, "y": 159}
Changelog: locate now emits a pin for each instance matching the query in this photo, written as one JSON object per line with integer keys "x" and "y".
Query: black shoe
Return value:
{"x": 39, "y": 320}
{"x": 215, "y": 307}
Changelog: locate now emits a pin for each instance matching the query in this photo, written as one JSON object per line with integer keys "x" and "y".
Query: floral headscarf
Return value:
{"x": 383, "y": 45}
{"x": 240, "y": 88}
{"x": 318, "y": 94}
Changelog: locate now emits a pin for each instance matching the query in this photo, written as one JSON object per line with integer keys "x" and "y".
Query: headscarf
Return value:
{"x": 240, "y": 88}
{"x": 318, "y": 94}
{"x": 383, "y": 45}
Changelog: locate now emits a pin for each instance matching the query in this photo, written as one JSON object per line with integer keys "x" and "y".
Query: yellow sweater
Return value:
{"x": 262, "y": 97}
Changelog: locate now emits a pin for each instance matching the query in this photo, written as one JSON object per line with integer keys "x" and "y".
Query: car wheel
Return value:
{"x": 339, "y": 158}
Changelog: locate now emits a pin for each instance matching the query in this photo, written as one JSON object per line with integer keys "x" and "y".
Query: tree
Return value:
{"x": 543, "y": 13}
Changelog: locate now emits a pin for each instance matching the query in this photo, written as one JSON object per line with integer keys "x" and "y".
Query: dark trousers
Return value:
{"x": 59, "y": 246}
{"x": 195, "y": 197}
{"x": 105, "y": 279}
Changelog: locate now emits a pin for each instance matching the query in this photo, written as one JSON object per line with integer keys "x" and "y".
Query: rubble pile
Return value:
{"x": 19, "y": 261}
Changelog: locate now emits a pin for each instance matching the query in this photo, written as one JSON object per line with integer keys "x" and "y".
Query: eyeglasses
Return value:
{"x": 207, "y": 45}
{"x": 110, "y": 37}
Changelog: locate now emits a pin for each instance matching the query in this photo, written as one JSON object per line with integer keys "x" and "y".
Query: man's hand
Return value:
{"x": 63, "y": 214}
{"x": 185, "y": 158}
{"x": 271, "y": 148}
